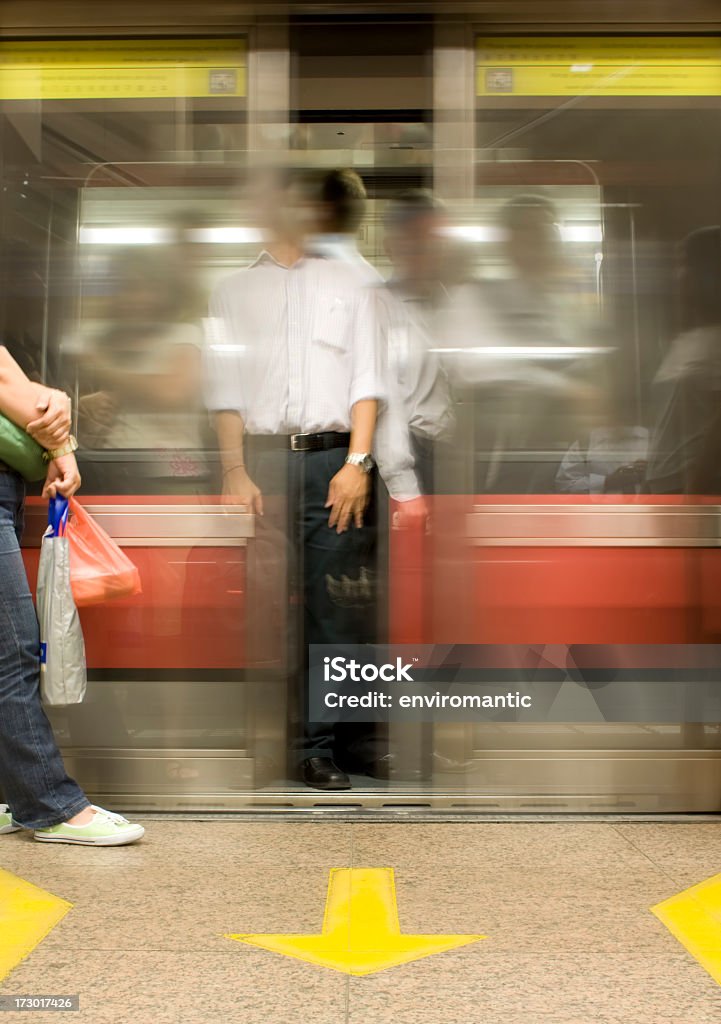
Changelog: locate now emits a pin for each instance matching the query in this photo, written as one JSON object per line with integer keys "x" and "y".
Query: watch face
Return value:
{"x": 365, "y": 462}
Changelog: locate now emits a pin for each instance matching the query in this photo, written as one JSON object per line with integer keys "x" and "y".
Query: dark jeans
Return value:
{"x": 32, "y": 777}
{"x": 331, "y": 578}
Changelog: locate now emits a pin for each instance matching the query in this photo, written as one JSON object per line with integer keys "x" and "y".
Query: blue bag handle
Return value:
{"x": 58, "y": 515}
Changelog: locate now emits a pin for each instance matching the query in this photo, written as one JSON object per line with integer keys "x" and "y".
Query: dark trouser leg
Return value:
{"x": 338, "y": 584}
{"x": 33, "y": 779}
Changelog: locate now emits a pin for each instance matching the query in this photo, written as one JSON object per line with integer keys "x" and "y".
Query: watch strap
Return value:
{"x": 70, "y": 446}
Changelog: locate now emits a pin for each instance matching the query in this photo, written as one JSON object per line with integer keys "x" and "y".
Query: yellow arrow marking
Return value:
{"x": 694, "y": 917}
{"x": 361, "y": 932}
{"x": 27, "y": 914}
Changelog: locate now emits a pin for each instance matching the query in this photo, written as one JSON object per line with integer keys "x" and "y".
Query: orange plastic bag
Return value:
{"x": 99, "y": 570}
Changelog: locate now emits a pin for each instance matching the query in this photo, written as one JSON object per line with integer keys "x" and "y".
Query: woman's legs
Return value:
{"x": 32, "y": 776}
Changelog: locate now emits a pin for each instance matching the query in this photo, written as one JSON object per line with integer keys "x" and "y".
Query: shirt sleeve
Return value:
{"x": 367, "y": 378}
{"x": 575, "y": 476}
{"x": 392, "y": 448}
{"x": 223, "y": 357}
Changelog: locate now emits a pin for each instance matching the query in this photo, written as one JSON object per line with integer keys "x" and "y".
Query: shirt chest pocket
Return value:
{"x": 331, "y": 325}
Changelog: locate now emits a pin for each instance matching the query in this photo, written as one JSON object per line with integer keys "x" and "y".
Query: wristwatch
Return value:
{"x": 363, "y": 460}
{"x": 70, "y": 446}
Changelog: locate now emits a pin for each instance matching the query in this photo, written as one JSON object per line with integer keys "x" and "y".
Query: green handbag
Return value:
{"x": 20, "y": 452}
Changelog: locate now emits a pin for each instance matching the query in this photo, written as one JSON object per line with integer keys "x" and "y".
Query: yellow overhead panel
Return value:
{"x": 598, "y": 66}
{"x": 122, "y": 69}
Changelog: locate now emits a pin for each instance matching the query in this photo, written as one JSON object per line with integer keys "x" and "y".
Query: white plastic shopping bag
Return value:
{"x": 63, "y": 675}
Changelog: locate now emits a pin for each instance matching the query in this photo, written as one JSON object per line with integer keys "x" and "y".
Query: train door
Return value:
{"x": 579, "y": 557}
{"x": 121, "y": 160}
{"x": 122, "y": 170}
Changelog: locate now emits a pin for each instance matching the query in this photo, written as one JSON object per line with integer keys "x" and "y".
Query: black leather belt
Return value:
{"x": 4, "y": 468}
{"x": 318, "y": 442}
{"x": 300, "y": 442}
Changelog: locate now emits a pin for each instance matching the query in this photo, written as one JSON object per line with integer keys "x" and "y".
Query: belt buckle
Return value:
{"x": 296, "y": 442}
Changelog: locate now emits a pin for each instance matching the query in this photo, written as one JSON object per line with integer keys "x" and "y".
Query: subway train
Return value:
{"x": 572, "y": 168}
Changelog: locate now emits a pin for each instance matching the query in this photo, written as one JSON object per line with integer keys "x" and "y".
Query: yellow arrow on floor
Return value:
{"x": 27, "y": 914}
{"x": 361, "y": 932}
{"x": 694, "y": 917}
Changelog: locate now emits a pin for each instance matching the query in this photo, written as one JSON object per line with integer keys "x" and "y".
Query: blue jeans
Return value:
{"x": 32, "y": 777}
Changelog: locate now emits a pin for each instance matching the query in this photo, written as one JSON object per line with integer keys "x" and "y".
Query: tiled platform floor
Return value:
{"x": 565, "y": 907}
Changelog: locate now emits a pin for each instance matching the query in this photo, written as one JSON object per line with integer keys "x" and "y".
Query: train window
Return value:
{"x": 107, "y": 148}
{"x": 620, "y": 401}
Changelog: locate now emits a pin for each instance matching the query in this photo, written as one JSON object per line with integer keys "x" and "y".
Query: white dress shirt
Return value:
{"x": 688, "y": 388}
{"x": 292, "y": 349}
{"x": 585, "y": 467}
{"x": 408, "y": 326}
{"x": 344, "y": 248}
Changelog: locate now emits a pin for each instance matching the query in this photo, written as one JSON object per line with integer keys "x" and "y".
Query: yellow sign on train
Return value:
{"x": 598, "y": 66}
{"x": 123, "y": 69}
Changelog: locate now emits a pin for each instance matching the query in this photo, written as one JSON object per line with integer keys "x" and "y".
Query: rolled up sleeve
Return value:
{"x": 367, "y": 377}
{"x": 392, "y": 449}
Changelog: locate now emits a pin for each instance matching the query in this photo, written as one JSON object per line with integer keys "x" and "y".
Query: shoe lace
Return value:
{"x": 117, "y": 819}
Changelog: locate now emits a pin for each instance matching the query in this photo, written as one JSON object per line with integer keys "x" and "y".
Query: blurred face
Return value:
{"x": 285, "y": 212}
{"x": 325, "y": 218}
{"x": 416, "y": 248}
{"x": 141, "y": 298}
{"x": 533, "y": 243}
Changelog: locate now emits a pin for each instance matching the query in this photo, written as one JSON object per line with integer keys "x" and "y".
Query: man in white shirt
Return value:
{"x": 295, "y": 363}
{"x": 506, "y": 338}
{"x": 414, "y": 225}
{"x": 685, "y": 446}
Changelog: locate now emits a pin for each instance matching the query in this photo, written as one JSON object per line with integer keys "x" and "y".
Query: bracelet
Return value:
{"x": 240, "y": 465}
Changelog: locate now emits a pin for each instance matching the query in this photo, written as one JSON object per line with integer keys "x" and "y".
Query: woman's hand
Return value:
{"x": 52, "y": 428}
{"x": 63, "y": 477}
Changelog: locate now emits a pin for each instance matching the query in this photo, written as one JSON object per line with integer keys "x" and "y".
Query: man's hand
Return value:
{"x": 63, "y": 477}
{"x": 239, "y": 489}
{"x": 625, "y": 479}
{"x": 52, "y": 428}
{"x": 410, "y": 514}
{"x": 348, "y": 494}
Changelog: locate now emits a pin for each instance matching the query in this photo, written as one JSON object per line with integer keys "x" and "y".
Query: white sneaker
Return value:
{"x": 105, "y": 829}
{"x": 6, "y": 821}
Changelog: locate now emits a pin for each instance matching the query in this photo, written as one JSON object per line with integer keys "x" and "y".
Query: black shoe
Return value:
{"x": 388, "y": 769}
{"x": 323, "y": 773}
